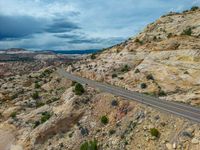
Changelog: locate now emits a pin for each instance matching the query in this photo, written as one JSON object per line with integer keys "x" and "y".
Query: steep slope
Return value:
{"x": 162, "y": 61}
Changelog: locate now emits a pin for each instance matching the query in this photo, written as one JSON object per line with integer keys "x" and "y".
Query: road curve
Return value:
{"x": 183, "y": 110}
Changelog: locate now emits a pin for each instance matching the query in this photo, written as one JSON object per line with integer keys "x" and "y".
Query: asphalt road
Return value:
{"x": 183, "y": 110}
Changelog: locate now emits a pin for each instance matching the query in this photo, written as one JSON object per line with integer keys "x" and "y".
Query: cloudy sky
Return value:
{"x": 78, "y": 24}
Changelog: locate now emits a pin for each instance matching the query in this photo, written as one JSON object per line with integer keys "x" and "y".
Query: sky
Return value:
{"x": 78, "y": 24}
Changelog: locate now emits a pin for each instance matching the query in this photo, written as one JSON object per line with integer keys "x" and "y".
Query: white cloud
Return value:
{"x": 36, "y": 8}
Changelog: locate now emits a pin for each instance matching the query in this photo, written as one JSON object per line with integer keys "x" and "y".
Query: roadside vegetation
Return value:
{"x": 187, "y": 31}
{"x": 143, "y": 85}
{"x": 89, "y": 145}
{"x": 44, "y": 117}
{"x": 126, "y": 68}
{"x": 35, "y": 95}
{"x": 104, "y": 120}
{"x": 79, "y": 90}
{"x": 154, "y": 132}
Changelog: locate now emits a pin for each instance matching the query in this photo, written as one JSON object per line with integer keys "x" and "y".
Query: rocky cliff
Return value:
{"x": 162, "y": 61}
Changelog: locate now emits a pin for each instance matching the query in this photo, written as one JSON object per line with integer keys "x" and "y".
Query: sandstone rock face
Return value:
{"x": 164, "y": 51}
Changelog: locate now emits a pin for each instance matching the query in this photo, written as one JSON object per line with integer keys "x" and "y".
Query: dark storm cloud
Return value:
{"x": 60, "y": 26}
{"x": 67, "y": 36}
{"x": 13, "y": 27}
{"x": 85, "y": 39}
{"x": 82, "y": 40}
{"x": 52, "y": 24}
{"x": 20, "y": 27}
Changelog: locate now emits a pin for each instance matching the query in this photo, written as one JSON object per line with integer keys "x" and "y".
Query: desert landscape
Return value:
{"x": 41, "y": 110}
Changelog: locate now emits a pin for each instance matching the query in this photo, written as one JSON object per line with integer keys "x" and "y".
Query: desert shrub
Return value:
{"x": 185, "y": 11}
{"x": 126, "y": 68}
{"x": 37, "y": 85}
{"x": 114, "y": 103}
{"x": 194, "y": 8}
{"x": 13, "y": 114}
{"x": 36, "y": 123}
{"x": 35, "y": 95}
{"x": 154, "y": 94}
{"x": 111, "y": 132}
{"x": 93, "y": 56}
{"x": 91, "y": 145}
{"x": 154, "y": 132}
{"x": 45, "y": 116}
{"x": 161, "y": 93}
{"x": 48, "y": 71}
{"x": 186, "y": 72}
{"x": 79, "y": 90}
{"x": 84, "y": 131}
{"x": 187, "y": 31}
{"x": 154, "y": 38}
{"x": 114, "y": 75}
{"x": 121, "y": 78}
{"x": 143, "y": 85}
{"x": 169, "y": 35}
{"x": 39, "y": 104}
{"x": 138, "y": 41}
{"x": 150, "y": 77}
{"x": 137, "y": 71}
{"x": 104, "y": 120}
{"x": 14, "y": 96}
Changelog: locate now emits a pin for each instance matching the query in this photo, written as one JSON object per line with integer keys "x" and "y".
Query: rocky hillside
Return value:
{"x": 162, "y": 61}
{"x": 44, "y": 111}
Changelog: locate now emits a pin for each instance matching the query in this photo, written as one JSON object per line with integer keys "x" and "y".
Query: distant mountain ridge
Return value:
{"x": 21, "y": 50}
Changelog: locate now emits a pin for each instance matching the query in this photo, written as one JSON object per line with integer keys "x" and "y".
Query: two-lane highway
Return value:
{"x": 183, "y": 110}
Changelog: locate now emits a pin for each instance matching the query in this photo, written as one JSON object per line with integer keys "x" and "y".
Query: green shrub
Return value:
{"x": 48, "y": 71}
{"x": 14, "y": 96}
{"x": 13, "y": 114}
{"x": 150, "y": 77}
{"x": 91, "y": 145}
{"x": 154, "y": 94}
{"x": 45, "y": 117}
{"x": 114, "y": 75}
{"x": 39, "y": 104}
{"x": 36, "y": 123}
{"x": 143, "y": 85}
{"x": 187, "y": 31}
{"x": 35, "y": 95}
{"x": 37, "y": 86}
{"x": 154, "y": 132}
{"x": 137, "y": 71}
{"x": 194, "y": 8}
{"x": 186, "y": 72}
{"x": 104, "y": 120}
{"x": 111, "y": 132}
{"x": 169, "y": 35}
{"x": 154, "y": 38}
{"x": 79, "y": 90}
{"x": 161, "y": 93}
{"x": 126, "y": 68}
{"x": 121, "y": 78}
{"x": 93, "y": 56}
{"x": 138, "y": 41}
{"x": 114, "y": 103}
